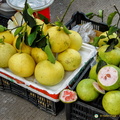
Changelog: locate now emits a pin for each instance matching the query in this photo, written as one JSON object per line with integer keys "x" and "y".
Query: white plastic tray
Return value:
{"x": 51, "y": 92}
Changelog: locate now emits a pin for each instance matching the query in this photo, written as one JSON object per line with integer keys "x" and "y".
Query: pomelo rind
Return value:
{"x": 98, "y": 88}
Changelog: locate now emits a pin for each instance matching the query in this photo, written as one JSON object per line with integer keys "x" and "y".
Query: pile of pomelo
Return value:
{"x": 26, "y": 60}
{"x": 104, "y": 78}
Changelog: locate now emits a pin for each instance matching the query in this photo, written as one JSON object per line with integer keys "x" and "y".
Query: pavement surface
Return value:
{"x": 13, "y": 107}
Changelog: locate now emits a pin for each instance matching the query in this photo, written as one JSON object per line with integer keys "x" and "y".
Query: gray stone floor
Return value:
{"x": 15, "y": 108}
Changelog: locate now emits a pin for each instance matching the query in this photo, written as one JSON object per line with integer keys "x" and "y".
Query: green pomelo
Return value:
{"x": 98, "y": 88}
{"x": 86, "y": 91}
{"x": 92, "y": 73}
{"x": 68, "y": 96}
{"x": 104, "y": 40}
{"x": 111, "y": 102}
{"x": 109, "y": 77}
{"x": 111, "y": 57}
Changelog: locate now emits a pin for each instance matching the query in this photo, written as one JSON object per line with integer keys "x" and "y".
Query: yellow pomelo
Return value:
{"x": 22, "y": 64}
{"x": 70, "y": 59}
{"x": 47, "y": 73}
{"x": 59, "y": 40}
{"x": 104, "y": 40}
{"x": 24, "y": 48}
{"x": 6, "y": 51}
{"x": 40, "y": 22}
{"x": 38, "y": 54}
{"x": 76, "y": 40}
{"x": 7, "y": 36}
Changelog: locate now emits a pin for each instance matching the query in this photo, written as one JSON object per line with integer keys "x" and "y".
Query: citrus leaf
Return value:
{"x": 42, "y": 17}
{"x": 112, "y": 42}
{"x": 2, "y": 28}
{"x": 102, "y": 36}
{"x": 18, "y": 41}
{"x": 50, "y": 55}
{"x": 27, "y": 15}
{"x": 18, "y": 30}
{"x": 32, "y": 37}
{"x": 112, "y": 30}
{"x": 58, "y": 23}
{"x": 95, "y": 41}
{"x": 100, "y": 64}
{"x": 101, "y": 13}
{"x": 110, "y": 18}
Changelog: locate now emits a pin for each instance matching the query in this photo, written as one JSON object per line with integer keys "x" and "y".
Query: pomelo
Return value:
{"x": 58, "y": 39}
{"x": 111, "y": 102}
{"x": 92, "y": 73}
{"x": 109, "y": 77}
{"x": 6, "y": 51}
{"x": 76, "y": 40}
{"x": 111, "y": 57}
{"x": 70, "y": 59}
{"x": 86, "y": 91}
{"x": 47, "y": 73}
{"x": 68, "y": 96}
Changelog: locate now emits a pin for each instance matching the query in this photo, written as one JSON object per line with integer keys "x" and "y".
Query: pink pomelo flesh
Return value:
{"x": 68, "y": 96}
{"x": 108, "y": 77}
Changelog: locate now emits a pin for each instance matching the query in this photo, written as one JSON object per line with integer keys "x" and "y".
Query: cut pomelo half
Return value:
{"x": 98, "y": 88}
{"x": 109, "y": 77}
{"x": 68, "y": 96}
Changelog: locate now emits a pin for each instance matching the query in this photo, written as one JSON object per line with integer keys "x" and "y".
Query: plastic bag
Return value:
{"x": 86, "y": 31}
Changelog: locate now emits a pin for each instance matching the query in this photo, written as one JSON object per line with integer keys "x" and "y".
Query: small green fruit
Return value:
{"x": 111, "y": 102}
{"x": 86, "y": 91}
{"x": 111, "y": 57}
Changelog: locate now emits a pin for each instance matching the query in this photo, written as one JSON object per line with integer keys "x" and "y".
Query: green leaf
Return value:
{"x": 101, "y": 13}
{"x": 110, "y": 18}
{"x": 42, "y": 17}
{"x": 18, "y": 30}
{"x": 112, "y": 30}
{"x": 112, "y": 42}
{"x": 100, "y": 64}
{"x": 95, "y": 41}
{"x": 18, "y": 41}
{"x": 27, "y": 16}
{"x": 2, "y": 28}
{"x": 50, "y": 55}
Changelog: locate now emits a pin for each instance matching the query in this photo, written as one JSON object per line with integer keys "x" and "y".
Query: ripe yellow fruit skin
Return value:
{"x": 8, "y": 36}
{"x": 6, "y": 51}
{"x": 70, "y": 59}
{"x": 22, "y": 64}
{"x": 49, "y": 74}
{"x": 59, "y": 40}
{"x": 24, "y": 48}
{"x": 38, "y": 54}
{"x": 76, "y": 40}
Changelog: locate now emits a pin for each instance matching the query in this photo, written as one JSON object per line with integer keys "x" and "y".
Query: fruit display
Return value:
{"x": 46, "y": 56}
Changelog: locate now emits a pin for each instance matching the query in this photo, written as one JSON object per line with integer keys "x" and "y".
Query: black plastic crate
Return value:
{"x": 80, "y": 18}
{"x": 81, "y": 110}
{"x": 41, "y": 102}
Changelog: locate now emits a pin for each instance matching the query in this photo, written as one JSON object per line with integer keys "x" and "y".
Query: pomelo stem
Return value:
{"x": 67, "y": 10}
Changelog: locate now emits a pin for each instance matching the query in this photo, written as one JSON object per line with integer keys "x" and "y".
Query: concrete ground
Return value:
{"x": 13, "y": 107}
